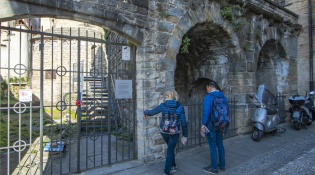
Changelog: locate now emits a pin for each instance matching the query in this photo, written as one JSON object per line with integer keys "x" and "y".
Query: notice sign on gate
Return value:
{"x": 125, "y": 53}
{"x": 25, "y": 95}
{"x": 123, "y": 89}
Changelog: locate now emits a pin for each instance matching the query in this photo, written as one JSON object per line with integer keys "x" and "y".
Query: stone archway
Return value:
{"x": 208, "y": 57}
{"x": 110, "y": 15}
{"x": 273, "y": 68}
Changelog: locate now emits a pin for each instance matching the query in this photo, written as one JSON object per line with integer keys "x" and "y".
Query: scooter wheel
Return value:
{"x": 257, "y": 134}
{"x": 297, "y": 125}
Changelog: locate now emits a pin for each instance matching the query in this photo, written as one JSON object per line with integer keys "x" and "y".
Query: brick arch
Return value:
{"x": 77, "y": 11}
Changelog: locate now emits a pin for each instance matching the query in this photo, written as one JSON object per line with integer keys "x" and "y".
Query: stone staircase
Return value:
{"x": 94, "y": 103}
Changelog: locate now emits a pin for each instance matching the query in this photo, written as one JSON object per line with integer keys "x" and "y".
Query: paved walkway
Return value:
{"x": 240, "y": 150}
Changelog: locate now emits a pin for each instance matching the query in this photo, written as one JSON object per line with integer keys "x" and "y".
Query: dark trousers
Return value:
{"x": 171, "y": 141}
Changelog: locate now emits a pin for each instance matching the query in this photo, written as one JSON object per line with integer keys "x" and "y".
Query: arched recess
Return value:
{"x": 208, "y": 59}
{"x": 111, "y": 20}
{"x": 273, "y": 68}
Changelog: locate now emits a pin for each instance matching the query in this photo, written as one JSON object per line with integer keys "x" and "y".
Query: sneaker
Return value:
{"x": 210, "y": 170}
{"x": 223, "y": 169}
{"x": 173, "y": 169}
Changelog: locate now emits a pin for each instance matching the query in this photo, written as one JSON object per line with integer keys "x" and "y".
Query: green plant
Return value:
{"x": 238, "y": 24}
{"x": 165, "y": 14}
{"x": 106, "y": 35}
{"x": 185, "y": 44}
{"x": 227, "y": 13}
{"x": 18, "y": 80}
{"x": 3, "y": 89}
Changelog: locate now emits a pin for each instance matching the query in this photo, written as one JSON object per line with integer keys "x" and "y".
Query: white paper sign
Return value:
{"x": 123, "y": 89}
{"x": 125, "y": 53}
{"x": 25, "y": 95}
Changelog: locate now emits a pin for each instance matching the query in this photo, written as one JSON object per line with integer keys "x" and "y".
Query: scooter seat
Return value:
{"x": 271, "y": 111}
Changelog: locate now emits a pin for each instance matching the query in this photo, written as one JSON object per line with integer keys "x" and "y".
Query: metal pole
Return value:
{"x": 41, "y": 167}
{"x": 78, "y": 107}
{"x": 310, "y": 28}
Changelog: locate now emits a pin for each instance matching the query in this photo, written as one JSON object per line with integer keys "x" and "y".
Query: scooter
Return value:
{"x": 300, "y": 114}
{"x": 309, "y": 104}
{"x": 265, "y": 117}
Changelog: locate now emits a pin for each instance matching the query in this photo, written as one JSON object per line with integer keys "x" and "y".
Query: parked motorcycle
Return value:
{"x": 265, "y": 117}
{"x": 300, "y": 114}
{"x": 309, "y": 104}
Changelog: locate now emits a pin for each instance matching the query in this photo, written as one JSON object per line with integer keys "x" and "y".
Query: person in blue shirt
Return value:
{"x": 170, "y": 136}
{"x": 215, "y": 136}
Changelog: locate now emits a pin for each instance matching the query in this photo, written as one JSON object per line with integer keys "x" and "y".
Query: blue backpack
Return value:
{"x": 220, "y": 117}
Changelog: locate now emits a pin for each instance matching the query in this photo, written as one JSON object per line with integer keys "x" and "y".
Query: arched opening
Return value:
{"x": 277, "y": 73}
{"x": 208, "y": 59}
{"x": 65, "y": 65}
{"x": 274, "y": 70}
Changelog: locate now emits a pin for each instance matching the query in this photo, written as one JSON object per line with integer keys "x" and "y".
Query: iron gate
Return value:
{"x": 194, "y": 112}
{"x": 67, "y": 100}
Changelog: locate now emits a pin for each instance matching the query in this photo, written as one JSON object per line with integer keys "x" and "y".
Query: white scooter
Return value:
{"x": 265, "y": 117}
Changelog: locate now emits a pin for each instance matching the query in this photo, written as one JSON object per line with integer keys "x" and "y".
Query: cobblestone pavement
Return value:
{"x": 295, "y": 157}
{"x": 292, "y": 152}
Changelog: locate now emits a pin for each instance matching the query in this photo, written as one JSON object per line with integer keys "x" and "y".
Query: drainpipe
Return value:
{"x": 310, "y": 29}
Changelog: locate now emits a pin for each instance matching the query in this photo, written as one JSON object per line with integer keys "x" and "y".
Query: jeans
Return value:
{"x": 171, "y": 141}
{"x": 215, "y": 140}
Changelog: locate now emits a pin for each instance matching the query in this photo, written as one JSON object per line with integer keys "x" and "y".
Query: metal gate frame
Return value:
{"x": 195, "y": 113}
{"x": 102, "y": 137}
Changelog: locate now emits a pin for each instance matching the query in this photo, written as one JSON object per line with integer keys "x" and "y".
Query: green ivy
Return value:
{"x": 227, "y": 13}
{"x": 185, "y": 44}
{"x": 165, "y": 14}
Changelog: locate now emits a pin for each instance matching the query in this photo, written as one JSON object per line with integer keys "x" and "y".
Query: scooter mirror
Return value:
{"x": 250, "y": 96}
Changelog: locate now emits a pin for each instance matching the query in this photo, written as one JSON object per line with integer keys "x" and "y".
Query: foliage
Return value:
{"x": 3, "y": 89}
{"x": 125, "y": 136}
{"x": 165, "y": 14}
{"x": 57, "y": 114}
{"x": 107, "y": 33}
{"x": 185, "y": 44}
{"x": 227, "y": 13}
{"x": 22, "y": 122}
{"x": 239, "y": 24}
{"x": 18, "y": 80}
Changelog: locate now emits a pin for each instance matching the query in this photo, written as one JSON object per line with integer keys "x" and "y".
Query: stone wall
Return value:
{"x": 60, "y": 55}
{"x": 226, "y": 47}
{"x": 303, "y": 54}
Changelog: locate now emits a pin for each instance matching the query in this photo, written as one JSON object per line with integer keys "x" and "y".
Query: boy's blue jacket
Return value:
{"x": 169, "y": 106}
{"x": 207, "y": 108}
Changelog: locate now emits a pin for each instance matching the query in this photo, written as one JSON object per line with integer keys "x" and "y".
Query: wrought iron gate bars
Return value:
{"x": 79, "y": 95}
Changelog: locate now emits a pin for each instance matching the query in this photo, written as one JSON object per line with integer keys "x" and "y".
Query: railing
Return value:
{"x": 194, "y": 112}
